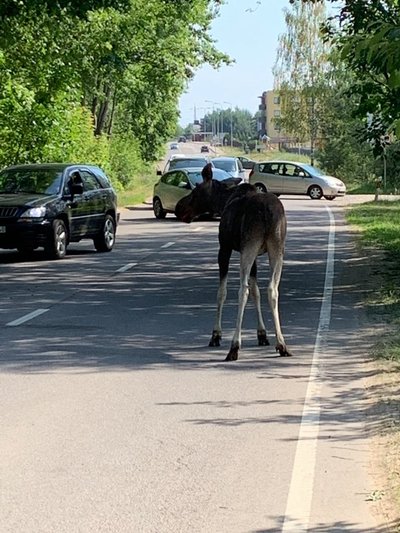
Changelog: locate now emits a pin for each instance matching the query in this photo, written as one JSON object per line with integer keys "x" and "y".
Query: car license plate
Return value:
{"x": 2, "y": 229}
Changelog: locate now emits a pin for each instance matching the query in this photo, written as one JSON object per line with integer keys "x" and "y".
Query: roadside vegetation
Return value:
{"x": 379, "y": 227}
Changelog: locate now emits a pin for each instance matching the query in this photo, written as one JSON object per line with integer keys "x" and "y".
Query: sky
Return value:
{"x": 248, "y": 32}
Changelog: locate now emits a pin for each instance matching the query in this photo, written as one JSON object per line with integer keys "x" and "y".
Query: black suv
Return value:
{"x": 51, "y": 205}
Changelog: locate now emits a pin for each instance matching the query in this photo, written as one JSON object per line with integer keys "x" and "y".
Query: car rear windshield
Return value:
{"x": 219, "y": 175}
{"x": 187, "y": 163}
{"x": 33, "y": 181}
{"x": 228, "y": 166}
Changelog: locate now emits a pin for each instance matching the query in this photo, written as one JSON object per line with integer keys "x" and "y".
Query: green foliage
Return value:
{"x": 302, "y": 70}
{"x": 125, "y": 163}
{"x": 98, "y": 80}
{"x": 241, "y": 121}
{"x": 380, "y": 224}
{"x": 368, "y": 40}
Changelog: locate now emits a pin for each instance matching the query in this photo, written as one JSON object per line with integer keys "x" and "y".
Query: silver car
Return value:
{"x": 288, "y": 177}
{"x": 175, "y": 184}
{"x": 232, "y": 165}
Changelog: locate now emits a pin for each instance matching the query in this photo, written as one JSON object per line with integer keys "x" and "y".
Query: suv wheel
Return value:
{"x": 158, "y": 209}
{"x": 315, "y": 192}
{"x": 56, "y": 246}
{"x": 105, "y": 240}
{"x": 261, "y": 187}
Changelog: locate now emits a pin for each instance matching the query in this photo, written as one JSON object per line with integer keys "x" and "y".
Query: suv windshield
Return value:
{"x": 32, "y": 181}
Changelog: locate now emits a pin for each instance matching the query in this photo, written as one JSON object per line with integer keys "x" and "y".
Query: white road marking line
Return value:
{"x": 126, "y": 267}
{"x": 199, "y": 228}
{"x": 298, "y": 506}
{"x": 27, "y": 317}
{"x": 167, "y": 245}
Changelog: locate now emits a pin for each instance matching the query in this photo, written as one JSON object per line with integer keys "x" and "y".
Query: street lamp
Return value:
{"x": 230, "y": 107}
{"x": 215, "y": 124}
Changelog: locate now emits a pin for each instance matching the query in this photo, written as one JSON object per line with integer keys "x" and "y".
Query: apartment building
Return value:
{"x": 270, "y": 112}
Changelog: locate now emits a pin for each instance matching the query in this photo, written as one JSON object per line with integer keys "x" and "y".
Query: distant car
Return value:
{"x": 174, "y": 146}
{"x": 232, "y": 165}
{"x": 184, "y": 161}
{"x": 246, "y": 162}
{"x": 51, "y": 205}
{"x": 175, "y": 184}
{"x": 288, "y": 177}
{"x": 182, "y": 139}
{"x": 204, "y": 148}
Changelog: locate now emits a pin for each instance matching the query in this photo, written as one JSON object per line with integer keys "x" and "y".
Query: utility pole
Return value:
{"x": 230, "y": 107}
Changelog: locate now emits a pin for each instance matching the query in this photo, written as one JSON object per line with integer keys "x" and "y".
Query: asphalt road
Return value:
{"x": 117, "y": 416}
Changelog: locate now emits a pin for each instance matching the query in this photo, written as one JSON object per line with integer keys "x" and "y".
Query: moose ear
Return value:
{"x": 207, "y": 173}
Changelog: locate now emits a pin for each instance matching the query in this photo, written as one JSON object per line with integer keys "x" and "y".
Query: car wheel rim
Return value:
{"x": 61, "y": 240}
{"x": 109, "y": 233}
{"x": 157, "y": 208}
{"x": 315, "y": 193}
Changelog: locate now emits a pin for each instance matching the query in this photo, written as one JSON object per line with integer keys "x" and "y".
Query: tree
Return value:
{"x": 301, "y": 71}
{"x": 368, "y": 39}
{"x": 125, "y": 62}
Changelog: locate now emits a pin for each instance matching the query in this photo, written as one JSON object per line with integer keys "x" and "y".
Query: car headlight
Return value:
{"x": 34, "y": 212}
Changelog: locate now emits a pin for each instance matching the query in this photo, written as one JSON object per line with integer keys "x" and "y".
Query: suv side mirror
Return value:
{"x": 76, "y": 188}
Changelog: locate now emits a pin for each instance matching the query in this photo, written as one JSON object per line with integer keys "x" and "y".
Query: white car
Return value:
{"x": 289, "y": 177}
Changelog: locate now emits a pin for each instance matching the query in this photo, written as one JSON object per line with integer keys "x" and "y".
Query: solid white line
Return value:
{"x": 199, "y": 228}
{"x": 27, "y": 317}
{"x": 126, "y": 267}
{"x": 167, "y": 245}
{"x": 298, "y": 506}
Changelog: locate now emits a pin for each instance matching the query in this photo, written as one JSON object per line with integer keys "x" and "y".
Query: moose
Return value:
{"x": 252, "y": 223}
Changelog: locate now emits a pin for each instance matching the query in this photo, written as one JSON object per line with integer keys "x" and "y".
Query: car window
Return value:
{"x": 269, "y": 168}
{"x": 35, "y": 181}
{"x": 89, "y": 180}
{"x": 218, "y": 174}
{"x": 102, "y": 178}
{"x": 313, "y": 170}
{"x": 225, "y": 164}
{"x": 187, "y": 163}
{"x": 172, "y": 178}
{"x": 180, "y": 177}
{"x": 287, "y": 169}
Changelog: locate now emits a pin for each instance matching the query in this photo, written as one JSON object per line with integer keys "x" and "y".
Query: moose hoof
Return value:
{"x": 233, "y": 354}
{"x": 215, "y": 339}
{"x": 262, "y": 338}
{"x": 283, "y": 352}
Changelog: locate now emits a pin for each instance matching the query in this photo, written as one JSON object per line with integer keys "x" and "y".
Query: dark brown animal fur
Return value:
{"x": 252, "y": 223}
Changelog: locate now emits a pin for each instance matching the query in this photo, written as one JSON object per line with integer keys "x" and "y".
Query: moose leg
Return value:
{"x": 224, "y": 256}
{"x": 247, "y": 259}
{"x": 255, "y": 294}
{"x": 276, "y": 262}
